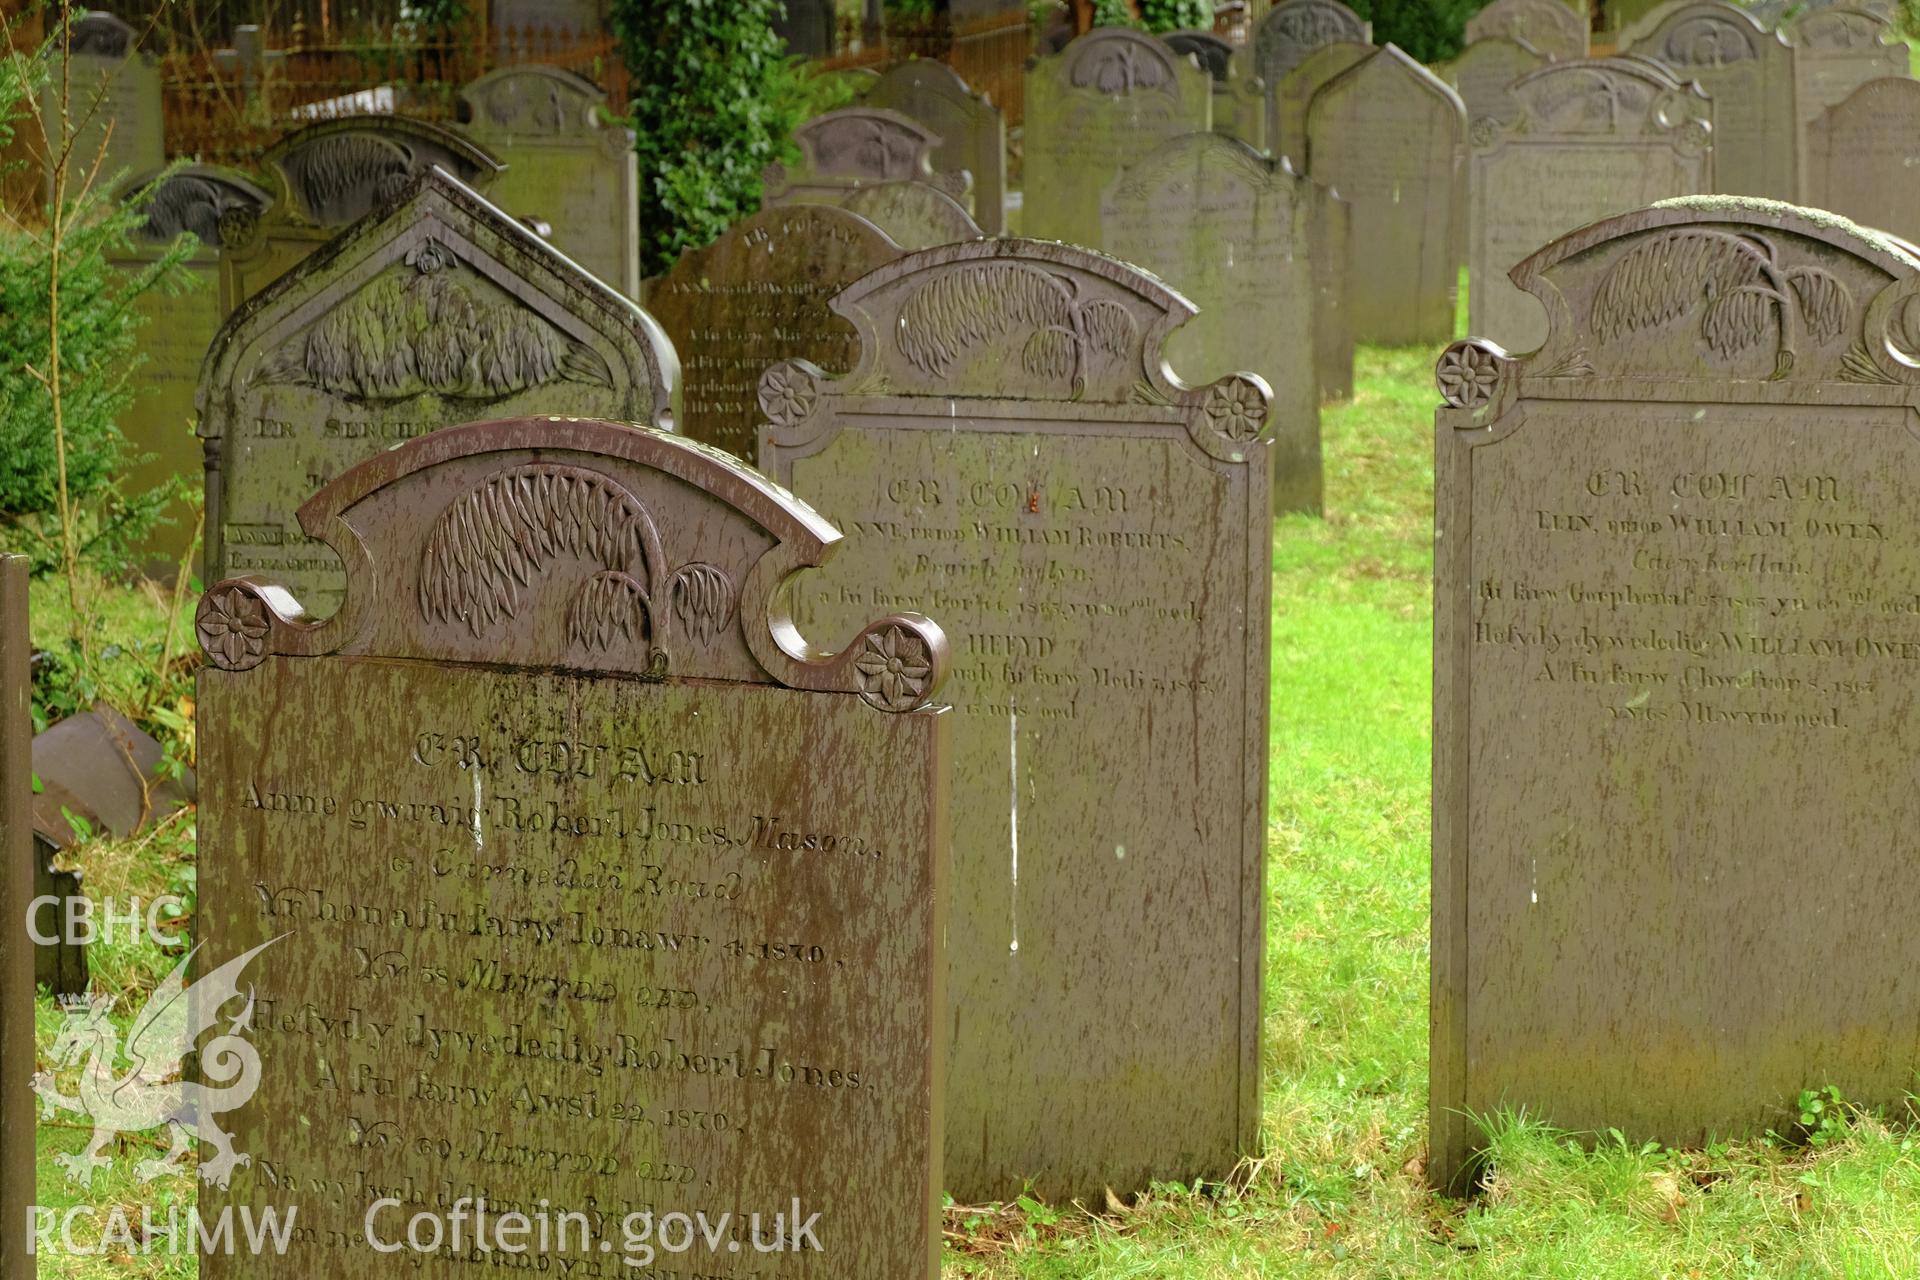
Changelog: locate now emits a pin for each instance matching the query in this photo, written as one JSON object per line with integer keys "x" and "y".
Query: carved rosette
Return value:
{"x": 232, "y": 624}
{"x": 893, "y": 669}
{"x": 238, "y": 225}
{"x": 1237, "y": 409}
{"x": 788, "y": 394}
{"x": 1469, "y": 373}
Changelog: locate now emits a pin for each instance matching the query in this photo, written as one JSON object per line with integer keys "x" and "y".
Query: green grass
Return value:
{"x": 1337, "y": 1191}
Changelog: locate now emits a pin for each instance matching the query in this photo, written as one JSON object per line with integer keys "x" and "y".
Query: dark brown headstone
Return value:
{"x": 176, "y": 330}
{"x": 17, "y": 1104}
{"x": 1287, "y": 102}
{"x": 1295, "y": 28}
{"x": 972, "y": 131}
{"x": 1092, "y": 109}
{"x": 1551, "y": 26}
{"x": 1863, "y": 157}
{"x": 1671, "y": 618}
{"x": 595, "y": 887}
{"x": 1233, "y": 232}
{"x": 1588, "y": 139}
{"x": 1012, "y": 451}
{"x": 754, "y": 297}
{"x": 327, "y": 176}
{"x": 434, "y": 309}
{"x": 1835, "y": 51}
{"x": 1390, "y": 137}
{"x": 1748, "y": 72}
{"x": 567, "y": 166}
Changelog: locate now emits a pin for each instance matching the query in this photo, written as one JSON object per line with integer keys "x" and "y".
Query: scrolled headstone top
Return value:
{"x": 580, "y": 544}
{"x": 1753, "y": 297}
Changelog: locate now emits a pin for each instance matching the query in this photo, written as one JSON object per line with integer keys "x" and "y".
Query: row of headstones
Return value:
{"x": 563, "y": 865}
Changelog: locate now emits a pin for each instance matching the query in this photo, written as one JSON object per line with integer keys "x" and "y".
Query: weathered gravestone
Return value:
{"x": 879, "y": 164}
{"x": 754, "y": 297}
{"x": 566, "y": 165}
{"x": 972, "y": 131}
{"x": 1483, "y": 75}
{"x": 1390, "y": 137}
{"x": 1748, "y": 72}
{"x": 328, "y": 176}
{"x": 1863, "y": 157}
{"x": 1287, "y": 102}
{"x": 1772, "y": 12}
{"x": 17, "y": 1054}
{"x": 572, "y": 877}
{"x": 176, "y": 330}
{"x": 1551, "y": 26}
{"x": 434, "y": 311}
{"x": 1239, "y": 100}
{"x": 1835, "y": 51}
{"x": 113, "y": 102}
{"x": 808, "y": 28}
{"x": 1233, "y": 232}
{"x": 1295, "y": 28}
{"x": 1592, "y": 138}
{"x": 520, "y": 21}
{"x": 1012, "y": 451}
{"x": 1673, "y": 603}
{"x": 1093, "y": 108}
{"x": 1332, "y": 331}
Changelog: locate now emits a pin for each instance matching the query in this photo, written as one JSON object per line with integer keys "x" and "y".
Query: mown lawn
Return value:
{"x": 1338, "y": 1190}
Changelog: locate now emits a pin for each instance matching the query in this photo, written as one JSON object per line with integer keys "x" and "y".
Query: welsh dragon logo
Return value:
{"x": 151, "y": 1093}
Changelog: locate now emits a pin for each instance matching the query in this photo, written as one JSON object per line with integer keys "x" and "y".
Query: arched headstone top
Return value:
{"x": 533, "y": 99}
{"x": 101, "y": 35}
{"x": 577, "y": 544}
{"x": 868, "y": 143}
{"x": 207, "y": 201}
{"x": 1593, "y": 95}
{"x": 1700, "y": 33}
{"x": 334, "y": 172}
{"x": 1750, "y": 299}
{"x": 1550, "y": 26}
{"x": 1837, "y": 29}
{"x": 1214, "y": 54}
{"x": 1119, "y": 61}
{"x": 441, "y": 295}
{"x": 1017, "y": 319}
{"x": 1294, "y": 28}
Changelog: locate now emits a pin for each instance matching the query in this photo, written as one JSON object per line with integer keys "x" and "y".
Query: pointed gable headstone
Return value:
{"x": 971, "y": 129}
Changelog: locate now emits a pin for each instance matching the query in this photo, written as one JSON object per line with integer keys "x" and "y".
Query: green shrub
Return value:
{"x": 716, "y": 101}
{"x": 1426, "y": 30}
{"x": 1176, "y": 15}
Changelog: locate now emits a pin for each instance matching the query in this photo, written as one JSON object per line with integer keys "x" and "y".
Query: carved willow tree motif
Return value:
{"x": 419, "y": 328}
{"x": 1707, "y": 42}
{"x": 1840, "y": 30}
{"x": 957, "y": 312}
{"x": 864, "y": 146}
{"x": 492, "y": 543}
{"x": 195, "y": 204}
{"x": 100, "y": 35}
{"x": 335, "y": 177}
{"x": 1746, "y": 296}
{"x": 1118, "y": 66}
{"x": 531, "y": 102}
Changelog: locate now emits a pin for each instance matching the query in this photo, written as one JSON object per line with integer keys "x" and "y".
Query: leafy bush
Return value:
{"x": 716, "y": 101}
{"x": 1114, "y": 13}
{"x": 92, "y": 368}
{"x": 1426, "y": 30}
{"x": 1176, "y": 15}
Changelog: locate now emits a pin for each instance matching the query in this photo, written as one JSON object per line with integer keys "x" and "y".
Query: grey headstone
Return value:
{"x": 327, "y": 176}
{"x": 1748, "y": 72}
{"x": 1483, "y": 76}
{"x": 1101, "y": 102}
{"x": 114, "y": 107}
{"x": 1390, "y": 137}
{"x": 557, "y": 871}
{"x": 879, "y": 164}
{"x": 176, "y": 330}
{"x": 437, "y": 310}
{"x": 1863, "y": 157}
{"x": 1591, "y": 139}
{"x": 1239, "y": 100}
{"x": 1287, "y": 102}
{"x": 1673, "y": 611}
{"x": 1332, "y": 329}
{"x": 972, "y": 130}
{"x": 1835, "y": 51}
{"x": 566, "y": 165}
{"x": 1232, "y": 231}
{"x": 1551, "y": 26}
{"x": 1295, "y": 28}
{"x": 1012, "y": 450}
